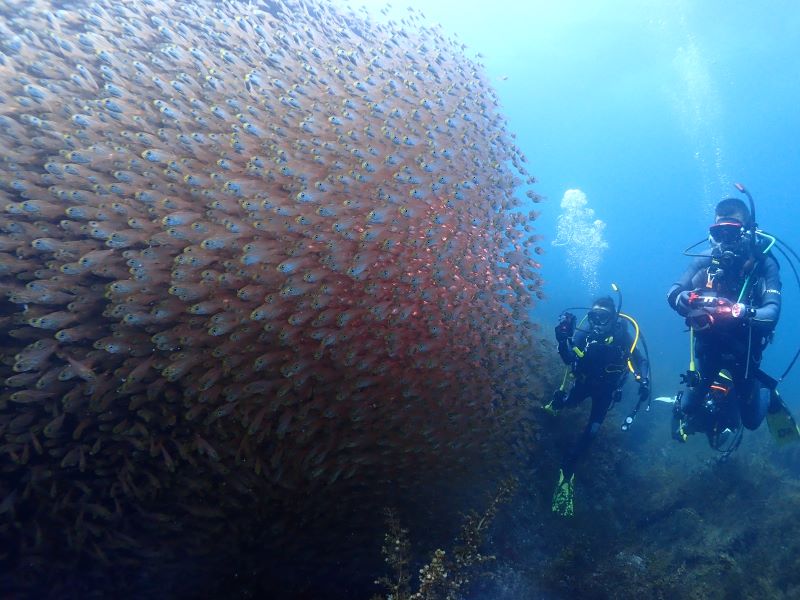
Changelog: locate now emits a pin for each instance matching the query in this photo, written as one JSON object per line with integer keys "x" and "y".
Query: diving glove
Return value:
{"x": 644, "y": 388}
{"x": 679, "y": 428}
{"x": 557, "y": 403}
{"x": 566, "y": 327}
{"x": 563, "y": 496}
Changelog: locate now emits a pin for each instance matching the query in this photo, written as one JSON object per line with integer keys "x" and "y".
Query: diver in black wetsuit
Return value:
{"x": 731, "y": 299}
{"x": 599, "y": 356}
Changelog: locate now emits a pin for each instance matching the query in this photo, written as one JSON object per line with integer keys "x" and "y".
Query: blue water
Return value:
{"x": 653, "y": 110}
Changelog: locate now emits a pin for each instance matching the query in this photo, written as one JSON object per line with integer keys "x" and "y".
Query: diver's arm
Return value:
{"x": 564, "y": 352}
{"x": 641, "y": 365}
{"x": 766, "y": 315}
{"x": 677, "y": 296}
{"x": 568, "y": 349}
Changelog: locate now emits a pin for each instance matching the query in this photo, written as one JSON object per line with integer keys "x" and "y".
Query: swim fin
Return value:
{"x": 563, "y": 497}
{"x": 780, "y": 421}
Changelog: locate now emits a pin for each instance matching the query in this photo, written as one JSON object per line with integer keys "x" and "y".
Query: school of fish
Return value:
{"x": 256, "y": 258}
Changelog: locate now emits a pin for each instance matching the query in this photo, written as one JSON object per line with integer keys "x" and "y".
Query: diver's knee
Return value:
{"x": 754, "y": 412}
{"x": 752, "y": 420}
{"x": 592, "y": 429}
{"x": 751, "y": 424}
{"x": 692, "y": 401}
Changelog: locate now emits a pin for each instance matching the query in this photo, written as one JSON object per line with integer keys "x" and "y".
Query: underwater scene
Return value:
{"x": 325, "y": 300}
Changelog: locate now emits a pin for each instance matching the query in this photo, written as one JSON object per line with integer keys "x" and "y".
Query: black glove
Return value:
{"x": 644, "y": 388}
{"x": 683, "y": 303}
{"x": 565, "y": 327}
{"x": 693, "y": 301}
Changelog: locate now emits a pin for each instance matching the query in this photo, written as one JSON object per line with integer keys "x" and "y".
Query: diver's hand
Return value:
{"x": 690, "y": 300}
{"x": 707, "y": 312}
{"x": 716, "y": 306}
{"x": 644, "y": 388}
{"x": 722, "y": 308}
{"x": 565, "y": 327}
{"x": 683, "y": 303}
{"x": 742, "y": 311}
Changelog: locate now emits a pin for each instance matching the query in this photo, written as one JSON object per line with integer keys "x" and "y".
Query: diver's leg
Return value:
{"x": 601, "y": 402}
{"x": 563, "y": 494}
{"x": 693, "y": 401}
{"x": 693, "y": 407}
{"x": 579, "y": 392}
{"x": 753, "y": 402}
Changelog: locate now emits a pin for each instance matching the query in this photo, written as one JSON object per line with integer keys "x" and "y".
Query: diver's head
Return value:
{"x": 732, "y": 209}
{"x": 603, "y": 316}
{"x": 730, "y": 233}
{"x": 732, "y": 237}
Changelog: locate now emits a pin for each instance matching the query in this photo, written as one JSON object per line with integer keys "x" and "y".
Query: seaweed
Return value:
{"x": 668, "y": 521}
{"x": 444, "y": 577}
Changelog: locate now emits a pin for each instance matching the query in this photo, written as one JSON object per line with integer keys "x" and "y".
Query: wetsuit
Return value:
{"x": 599, "y": 363}
{"x": 728, "y": 342}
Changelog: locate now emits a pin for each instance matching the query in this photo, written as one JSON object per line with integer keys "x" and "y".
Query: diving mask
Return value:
{"x": 727, "y": 232}
{"x": 600, "y": 317}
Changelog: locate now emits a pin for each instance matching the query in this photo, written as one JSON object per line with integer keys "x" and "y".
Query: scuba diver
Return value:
{"x": 730, "y": 297}
{"x": 598, "y": 357}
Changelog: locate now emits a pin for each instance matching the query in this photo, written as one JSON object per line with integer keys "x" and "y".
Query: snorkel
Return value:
{"x": 615, "y": 287}
{"x": 754, "y": 230}
{"x": 753, "y": 222}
